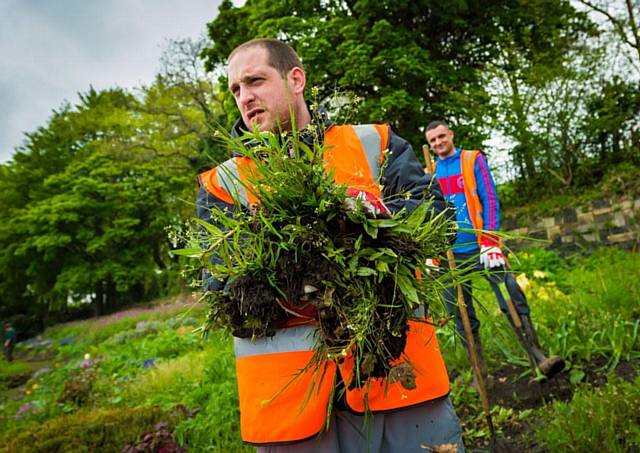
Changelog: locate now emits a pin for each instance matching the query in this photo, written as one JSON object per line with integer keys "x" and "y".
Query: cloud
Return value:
{"x": 51, "y": 50}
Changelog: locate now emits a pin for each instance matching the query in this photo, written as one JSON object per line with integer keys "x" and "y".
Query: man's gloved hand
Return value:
{"x": 371, "y": 204}
{"x": 432, "y": 265}
{"x": 490, "y": 253}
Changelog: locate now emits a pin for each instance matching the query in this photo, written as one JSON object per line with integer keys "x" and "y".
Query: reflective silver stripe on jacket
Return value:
{"x": 372, "y": 145}
{"x": 291, "y": 339}
{"x": 229, "y": 179}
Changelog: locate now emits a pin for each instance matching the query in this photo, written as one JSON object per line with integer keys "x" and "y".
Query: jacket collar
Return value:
{"x": 454, "y": 155}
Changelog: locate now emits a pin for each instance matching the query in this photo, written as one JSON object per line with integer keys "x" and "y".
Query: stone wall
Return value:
{"x": 601, "y": 222}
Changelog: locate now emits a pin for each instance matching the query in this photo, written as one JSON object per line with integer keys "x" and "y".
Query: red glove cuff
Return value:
{"x": 371, "y": 199}
{"x": 489, "y": 240}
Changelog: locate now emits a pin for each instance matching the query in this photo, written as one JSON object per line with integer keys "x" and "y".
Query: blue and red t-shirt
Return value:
{"x": 449, "y": 175}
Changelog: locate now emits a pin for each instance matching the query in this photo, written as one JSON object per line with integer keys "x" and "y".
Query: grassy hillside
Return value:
{"x": 101, "y": 384}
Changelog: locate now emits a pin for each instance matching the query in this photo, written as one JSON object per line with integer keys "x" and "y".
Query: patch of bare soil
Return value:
{"x": 525, "y": 393}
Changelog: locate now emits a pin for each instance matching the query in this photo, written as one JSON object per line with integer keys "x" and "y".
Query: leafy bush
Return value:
{"x": 535, "y": 260}
{"x": 103, "y": 430}
{"x": 77, "y": 388}
{"x": 602, "y": 419}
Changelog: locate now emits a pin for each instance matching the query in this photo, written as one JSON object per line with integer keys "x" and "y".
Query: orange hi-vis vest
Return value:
{"x": 282, "y": 398}
{"x": 474, "y": 205}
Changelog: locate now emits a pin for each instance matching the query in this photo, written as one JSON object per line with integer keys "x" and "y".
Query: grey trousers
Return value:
{"x": 407, "y": 430}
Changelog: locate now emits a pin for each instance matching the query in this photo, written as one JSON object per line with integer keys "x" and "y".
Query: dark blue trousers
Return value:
{"x": 470, "y": 262}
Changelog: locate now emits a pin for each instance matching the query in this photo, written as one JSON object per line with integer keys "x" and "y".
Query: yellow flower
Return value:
{"x": 523, "y": 281}
{"x": 540, "y": 274}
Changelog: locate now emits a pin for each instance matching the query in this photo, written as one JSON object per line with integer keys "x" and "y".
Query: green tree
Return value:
{"x": 535, "y": 79}
{"x": 90, "y": 195}
{"x": 623, "y": 18}
{"x": 410, "y": 62}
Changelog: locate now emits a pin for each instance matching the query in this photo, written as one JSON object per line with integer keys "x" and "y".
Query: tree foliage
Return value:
{"x": 87, "y": 200}
{"x": 409, "y": 62}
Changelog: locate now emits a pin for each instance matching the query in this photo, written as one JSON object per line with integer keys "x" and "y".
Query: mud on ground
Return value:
{"x": 510, "y": 391}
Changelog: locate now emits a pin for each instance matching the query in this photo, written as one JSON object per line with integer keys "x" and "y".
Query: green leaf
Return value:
{"x": 193, "y": 252}
{"x": 365, "y": 272}
{"x": 576, "y": 376}
{"x": 370, "y": 228}
{"x": 407, "y": 287}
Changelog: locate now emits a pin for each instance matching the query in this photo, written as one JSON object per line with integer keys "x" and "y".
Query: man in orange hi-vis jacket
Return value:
{"x": 267, "y": 81}
{"x": 467, "y": 183}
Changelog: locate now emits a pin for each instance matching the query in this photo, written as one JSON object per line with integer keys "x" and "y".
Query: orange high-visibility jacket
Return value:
{"x": 474, "y": 205}
{"x": 281, "y": 399}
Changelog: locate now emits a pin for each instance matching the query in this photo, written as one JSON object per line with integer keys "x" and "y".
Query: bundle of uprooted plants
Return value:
{"x": 304, "y": 251}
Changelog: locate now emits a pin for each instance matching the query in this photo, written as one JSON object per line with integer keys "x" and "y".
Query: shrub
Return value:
{"x": 88, "y": 431}
{"x": 77, "y": 388}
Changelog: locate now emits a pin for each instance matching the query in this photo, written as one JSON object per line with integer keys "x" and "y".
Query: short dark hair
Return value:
{"x": 281, "y": 55}
{"x": 433, "y": 124}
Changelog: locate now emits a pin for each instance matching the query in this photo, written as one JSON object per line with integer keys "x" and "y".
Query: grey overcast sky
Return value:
{"x": 52, "y": 49}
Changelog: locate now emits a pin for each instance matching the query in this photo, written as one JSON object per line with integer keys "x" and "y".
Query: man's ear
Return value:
{"x": 297, "y": 80}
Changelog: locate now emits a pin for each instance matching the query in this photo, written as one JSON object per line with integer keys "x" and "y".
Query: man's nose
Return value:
{"x": 246, "y": 96}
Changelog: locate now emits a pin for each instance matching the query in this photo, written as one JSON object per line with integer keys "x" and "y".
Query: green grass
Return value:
{"x": 585, "y": 308}
{"x": 10, "y": 369}
{"x": 602, "y": 419}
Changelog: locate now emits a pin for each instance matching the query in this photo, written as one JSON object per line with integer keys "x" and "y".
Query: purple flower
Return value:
{"x": 26, "y": 407}
{"x": 140, "y": 324}
{"x": 66, "y": 340}
{"x": 149, "y": 363}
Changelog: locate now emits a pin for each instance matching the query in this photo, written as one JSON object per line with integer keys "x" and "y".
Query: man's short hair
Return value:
{"x": 280, "y": 55}
{"x": 433, "y": 124}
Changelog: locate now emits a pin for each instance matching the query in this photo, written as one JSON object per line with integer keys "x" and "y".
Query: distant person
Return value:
{"x": 9, "y": 341}
{"x": 467, "y": 183}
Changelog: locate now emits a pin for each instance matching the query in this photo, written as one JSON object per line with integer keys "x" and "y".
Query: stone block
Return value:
{"x": 548, "y": 222}
{"x": 569, "y": 215}
{"x": 602, "y": 211}
{"x": 567, "y": 239}
{"x": 591, "y": 237}
{"x": 619, "y": 219}
{"x": 600, "y": 203}
{"x": 540, "y": 234}
{"x": 585, "y": 217}
{"x": 585, "y": 228}
{"x": 629, "y": 236}
{"x": 554, "y": 231}
{"x": 626, "y": 205}
{"x": 603, "y": 219}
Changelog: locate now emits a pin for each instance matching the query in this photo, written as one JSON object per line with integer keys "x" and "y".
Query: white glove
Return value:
{"x": 432, "y": 265}
{"x": 372, "y": 205}
{"x": 491, "y": 257}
